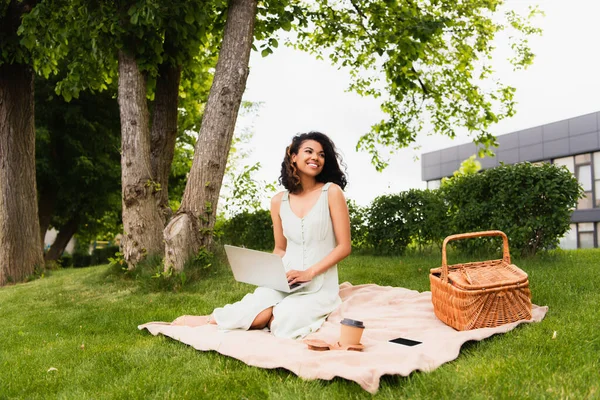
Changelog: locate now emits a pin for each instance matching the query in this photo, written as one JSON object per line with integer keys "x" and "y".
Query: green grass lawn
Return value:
{"x": 83, "y": 322}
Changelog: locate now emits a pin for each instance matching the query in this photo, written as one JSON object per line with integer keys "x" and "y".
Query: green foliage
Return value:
{"x": 66, "y": 260}
{"x": 396, "y": 221}
{"x": 426, "y": 217}
{"x": 22, "y": 43}
{"x": 436, "y": 62}
{"x": 81, "y": 259}
{"x": 177, "y": 33}
{"x": 247, "y": 193}
{"x": 250, "y": 229}
{"x": 103, "y": 255}
{"x": 241, "y": 191}
{"x": 358, "y": 224}
{"x": 273, "y": 16}
{"x": 117, "y": 261}
{"x": 150, "y": 274}
{"x": 100, "y": 255}
{"x": 388, "y": 230}
{"x": 81, "y": 245}
{"x": 78, "y": 166}
{"x": 532, "y": 204}
{"x": 468, "y": 167}
{"x": 39, "y": 272}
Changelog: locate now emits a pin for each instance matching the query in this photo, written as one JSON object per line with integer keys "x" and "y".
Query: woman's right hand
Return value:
{"x": 295, "y": 276}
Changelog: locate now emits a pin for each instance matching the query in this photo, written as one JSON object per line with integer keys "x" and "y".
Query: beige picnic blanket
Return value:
{"x": 387, "y": 312}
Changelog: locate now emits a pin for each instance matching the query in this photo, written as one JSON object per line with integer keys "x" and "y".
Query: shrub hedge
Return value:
{"x": 99, "y": 256}
{"x": 358, "y": 224}
{"x": 387, "y": 220}
{"x": 531, "y": 203}
{"x": 249, "y": 229}
{"x": 427, "y": 217}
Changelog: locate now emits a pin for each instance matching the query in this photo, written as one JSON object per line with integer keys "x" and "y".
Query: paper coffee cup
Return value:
{"x": 351, "y": 331}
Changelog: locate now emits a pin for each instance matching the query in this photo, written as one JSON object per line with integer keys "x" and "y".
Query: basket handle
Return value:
{"x": 505, "y": 252}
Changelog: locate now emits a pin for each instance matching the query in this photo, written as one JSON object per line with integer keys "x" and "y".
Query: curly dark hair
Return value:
{"x": 331, "y": 169}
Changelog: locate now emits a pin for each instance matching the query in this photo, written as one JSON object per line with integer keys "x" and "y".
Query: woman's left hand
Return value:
{"x": 294, "y": 276}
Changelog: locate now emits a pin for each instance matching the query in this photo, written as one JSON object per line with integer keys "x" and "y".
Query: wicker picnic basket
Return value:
{"x": 480, "y": 294}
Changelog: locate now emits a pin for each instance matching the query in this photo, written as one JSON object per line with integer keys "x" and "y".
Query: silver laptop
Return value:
{"x": 259, "y": 268}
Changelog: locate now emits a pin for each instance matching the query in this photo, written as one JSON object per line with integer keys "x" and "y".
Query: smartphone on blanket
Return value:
{"x": 405, "y": 342}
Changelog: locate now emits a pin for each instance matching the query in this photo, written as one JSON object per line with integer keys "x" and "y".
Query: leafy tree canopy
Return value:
{"x": 42, "y": 50}
{"x": 429, "y": 61}
{"x": 77, "y": 157}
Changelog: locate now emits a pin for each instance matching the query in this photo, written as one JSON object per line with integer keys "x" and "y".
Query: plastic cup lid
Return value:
{"x": 352, "y": 322}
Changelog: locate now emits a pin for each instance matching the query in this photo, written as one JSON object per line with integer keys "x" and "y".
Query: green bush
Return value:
{"x": 101, "y": 255}
{"x": 253, "y": 230}
{"x": 426, "y": 217}
{"x": 387, "y": 220}
{"x": 81, "y": 260}
{"x": 66, "y": 260}
{"x": 358, "y": 225}
{"x": 532, "y": 204}
{"x": 396, "y": 221}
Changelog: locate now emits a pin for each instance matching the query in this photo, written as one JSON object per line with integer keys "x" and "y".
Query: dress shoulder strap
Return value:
{"x": 286, "y": 196}
{"x": 326, "y": 186}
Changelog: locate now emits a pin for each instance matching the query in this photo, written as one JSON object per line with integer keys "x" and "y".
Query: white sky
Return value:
{"x": 300, "y": 93}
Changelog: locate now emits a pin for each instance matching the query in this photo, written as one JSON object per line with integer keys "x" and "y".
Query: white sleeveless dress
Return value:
{"x": 309, "y": 240}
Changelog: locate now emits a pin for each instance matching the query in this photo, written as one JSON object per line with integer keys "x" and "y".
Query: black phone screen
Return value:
{"x": 405, "y": 342}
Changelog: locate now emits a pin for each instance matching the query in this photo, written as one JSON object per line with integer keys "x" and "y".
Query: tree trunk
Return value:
{"x": 20, "y": 247}
{"x": 164, "y": 132}
{"x": 192, "y": 226}
{"x": 142, "y": 220}
{"x": 46, "y": 204}
{"x": 65, "y": 234}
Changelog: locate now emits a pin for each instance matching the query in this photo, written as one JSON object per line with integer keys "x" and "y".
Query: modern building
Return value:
{"x": 573, "y": 142}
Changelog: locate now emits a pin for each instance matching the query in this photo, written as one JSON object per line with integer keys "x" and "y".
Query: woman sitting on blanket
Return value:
{"x": 311, "y": 227}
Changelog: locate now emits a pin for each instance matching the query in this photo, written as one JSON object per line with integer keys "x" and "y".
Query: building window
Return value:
{"x": 569, "y": 241}
{"x": 581, "y": 166}
{"x": 583, "y": 172}
{"x": 585, "y": 232}
{"x": 434, "y": 184}
{"x": 597, "y": 179}
{"x": 567, "y": 162}
{"x": 584, "y": 176}
{"x": 583, "y": 159}
{"x": 581, "y": 235}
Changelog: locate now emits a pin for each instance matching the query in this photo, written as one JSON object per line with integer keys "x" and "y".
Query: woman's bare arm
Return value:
{"x": 280, "y": 240}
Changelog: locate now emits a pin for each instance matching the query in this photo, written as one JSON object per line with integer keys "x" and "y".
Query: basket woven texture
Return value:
{"x": 480, "y": 294}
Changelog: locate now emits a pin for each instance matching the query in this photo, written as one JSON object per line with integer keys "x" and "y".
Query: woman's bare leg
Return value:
{"x": 262, "y": 319}
{"x": 192, "y": 320}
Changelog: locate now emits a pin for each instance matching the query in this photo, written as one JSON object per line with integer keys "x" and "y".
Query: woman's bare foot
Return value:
{"x": 193, "y": 320}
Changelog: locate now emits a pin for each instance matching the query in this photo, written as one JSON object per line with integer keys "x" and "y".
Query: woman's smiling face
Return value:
{"x": 310, "y": 158}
